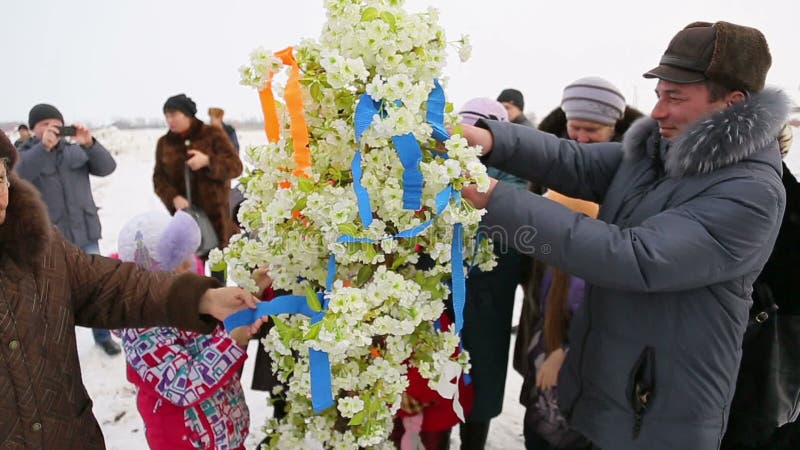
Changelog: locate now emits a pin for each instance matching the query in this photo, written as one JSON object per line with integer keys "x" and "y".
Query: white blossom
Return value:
{"x": 381, "y": 306}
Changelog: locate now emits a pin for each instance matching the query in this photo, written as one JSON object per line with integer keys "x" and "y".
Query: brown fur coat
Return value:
{"x": 211, "y": 186}
{"x": 47, "y": 287}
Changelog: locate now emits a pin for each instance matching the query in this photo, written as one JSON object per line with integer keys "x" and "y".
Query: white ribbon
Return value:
{"x": 448, "y": 389}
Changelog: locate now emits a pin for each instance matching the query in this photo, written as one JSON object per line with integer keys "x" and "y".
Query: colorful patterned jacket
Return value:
{"x": 189, "y": 392}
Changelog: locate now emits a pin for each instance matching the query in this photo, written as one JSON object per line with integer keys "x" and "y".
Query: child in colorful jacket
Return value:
{"x": 189, "y": 392}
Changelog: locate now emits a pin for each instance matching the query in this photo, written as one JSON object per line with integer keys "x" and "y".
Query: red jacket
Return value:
{"x": 439, "y": 415}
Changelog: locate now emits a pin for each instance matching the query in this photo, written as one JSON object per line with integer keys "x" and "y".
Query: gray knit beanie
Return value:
{"x": 593, "y": 99}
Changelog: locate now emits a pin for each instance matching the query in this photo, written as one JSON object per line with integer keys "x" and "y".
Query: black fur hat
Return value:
{"x": 181, "y": 103}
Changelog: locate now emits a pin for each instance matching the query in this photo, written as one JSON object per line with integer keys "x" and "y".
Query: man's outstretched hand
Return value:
{"x": 222, "y": 302}
{"x": 478, "y": 136}
{"x": 478, "y": 199}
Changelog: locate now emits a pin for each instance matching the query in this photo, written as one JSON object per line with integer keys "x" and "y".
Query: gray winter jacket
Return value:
{"x": 62, "y": 177}
{"x": 683, "y": 231}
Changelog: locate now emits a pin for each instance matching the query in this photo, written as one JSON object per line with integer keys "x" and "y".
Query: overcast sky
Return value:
{"x": 98, "y": 60}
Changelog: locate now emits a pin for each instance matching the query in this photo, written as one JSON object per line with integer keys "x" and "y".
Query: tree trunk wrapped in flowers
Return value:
{"x": 370, "y": 231}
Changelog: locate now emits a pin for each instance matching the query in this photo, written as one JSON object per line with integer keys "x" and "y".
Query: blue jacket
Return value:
{"x": 684, "y": 230}
{"x": 62, "y": 177}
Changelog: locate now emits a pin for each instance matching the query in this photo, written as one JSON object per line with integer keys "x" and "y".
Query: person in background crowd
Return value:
{"x": 48, "y": 286}
{"x": 767, "y": 398}
{"x": 212, "y": 161}
{"x": 215, "y": 115}
{"x": 24, "y": 134}
{"x": 60, "y": 169}
{"x": 691, "y": 204}
{"x": 592, "y": 110}
{"x": 237, "y": 196}
{"x": 188, "y": 389}
{"x": 514, "y": 103}
{"x": 489, "y": 309}
{"x": 585, "y": 98}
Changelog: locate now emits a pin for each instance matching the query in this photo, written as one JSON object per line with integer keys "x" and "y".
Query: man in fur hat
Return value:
{"x": 691, "y": 203}
{"x": 47, "y": 286}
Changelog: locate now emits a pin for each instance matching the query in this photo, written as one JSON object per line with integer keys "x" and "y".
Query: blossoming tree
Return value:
{"x": 341, "y": 216}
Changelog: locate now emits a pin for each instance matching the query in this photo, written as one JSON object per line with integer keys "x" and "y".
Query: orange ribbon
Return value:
{"x": 294, "y": 104}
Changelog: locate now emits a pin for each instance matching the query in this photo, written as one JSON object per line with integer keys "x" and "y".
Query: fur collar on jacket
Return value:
{"x": 26, "y": 232}
{"x": 724, "y": 138}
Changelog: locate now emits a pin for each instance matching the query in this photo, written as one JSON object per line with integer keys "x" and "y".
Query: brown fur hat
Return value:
{"x": 733, "y": 55}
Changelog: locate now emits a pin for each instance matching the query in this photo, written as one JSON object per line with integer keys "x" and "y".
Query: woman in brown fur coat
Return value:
{"x": 47, "y": 287}
{"x": 211, "y": 157}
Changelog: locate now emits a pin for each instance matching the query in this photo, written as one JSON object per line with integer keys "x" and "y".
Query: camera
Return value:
{"x": 67, "y": 131}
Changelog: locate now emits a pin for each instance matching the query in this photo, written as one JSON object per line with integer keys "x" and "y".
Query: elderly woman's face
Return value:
{"x": 178, "y": 121}
{"x": 3, "y": 192}
{"x": 586, "y": 131}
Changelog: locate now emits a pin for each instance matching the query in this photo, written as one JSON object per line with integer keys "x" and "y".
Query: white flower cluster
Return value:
{"x": 387, "y": 293}
{"x": 263, "y": 63}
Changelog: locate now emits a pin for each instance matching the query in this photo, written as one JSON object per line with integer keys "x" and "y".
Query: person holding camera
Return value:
{"x": 59, "y": 168}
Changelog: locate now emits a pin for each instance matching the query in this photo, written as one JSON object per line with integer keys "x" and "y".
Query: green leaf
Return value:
{"x": 448, "y": 107}
{"x": 281, "y": 326}
{"x": 316, "y": 91}
{"x": 369, "y": 249}
{"x": 312, "y": 299}
{"x": 348, "y": 228}
{"x": 252, "y": 217}
{"x": 369, "y": 14}
{"x": 364, "y": 274}
{"x": 305, "y": 185}
{"x": 221, "y": 266}
{"x": 313, "y": 331}
{"x": 358, "y": 418}
{"x": 334, "y": 174}
{"x": 399, "y": 261}
{"x": 373, "y": 406}
{"x": 390, "y": 19}
{"x": 300, "y": 205}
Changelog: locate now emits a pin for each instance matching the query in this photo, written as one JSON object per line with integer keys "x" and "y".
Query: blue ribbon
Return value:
{"x": 410, "y": 155}
{"x": 442, "y": 200}
{"x": 406, "y": 145}
{"x": 435, "y": 112}
{"x": 319, "y": 362}
{"x": 364, "y": 207}
{"x": 457, "y": 271}
{"x": 366, "y": 110}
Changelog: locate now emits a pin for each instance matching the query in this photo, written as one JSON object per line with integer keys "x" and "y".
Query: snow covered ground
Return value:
{"x": 128, "y": 192}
